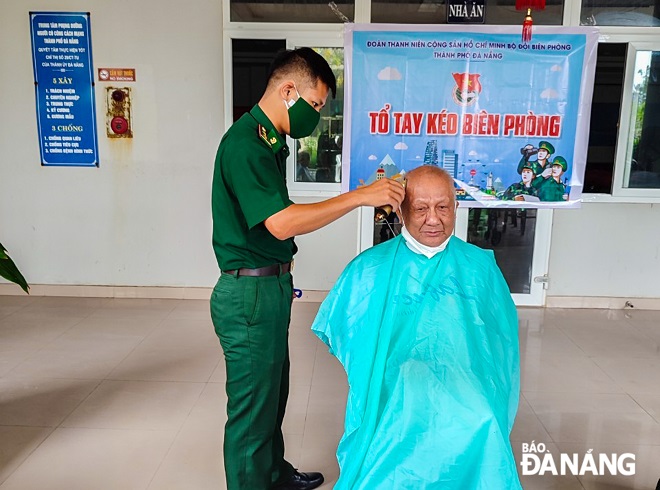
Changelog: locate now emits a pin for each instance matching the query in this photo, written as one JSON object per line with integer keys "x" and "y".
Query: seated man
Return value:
{"x": 427, "y": 333}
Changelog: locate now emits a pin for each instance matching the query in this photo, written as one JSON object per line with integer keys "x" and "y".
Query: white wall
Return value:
{"x": 143, "y": 217}
{"x": 606, "y": 249}
{"x": 323, "y": 254}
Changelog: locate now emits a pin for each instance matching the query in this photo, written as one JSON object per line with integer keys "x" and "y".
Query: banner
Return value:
{"x": 64, "y": 88}
{"x": 509, "y": 121}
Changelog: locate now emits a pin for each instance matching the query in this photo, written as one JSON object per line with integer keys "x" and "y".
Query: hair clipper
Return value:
{"x": 382, "y": 212}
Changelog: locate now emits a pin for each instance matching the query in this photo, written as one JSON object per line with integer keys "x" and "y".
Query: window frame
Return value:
{"x": 311, "y": 189}
{"x": 624, "y": 144}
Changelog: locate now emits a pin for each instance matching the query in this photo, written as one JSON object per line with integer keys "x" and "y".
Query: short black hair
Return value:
{"x": 305, "y": 62}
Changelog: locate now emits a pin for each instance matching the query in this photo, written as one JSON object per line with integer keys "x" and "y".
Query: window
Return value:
{"x": 318, "y": 157}
{"x": 290, "y": 11}
{"x": 620, "y": 13}
{"x": 604, "y": 122}
{"x": 434, "y": 12}
{"x": 251, "y": 59}
{"x": 643, "y": 155}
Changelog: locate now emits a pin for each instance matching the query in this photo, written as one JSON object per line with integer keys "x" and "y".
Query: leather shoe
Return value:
{"x": 302, "y": 481}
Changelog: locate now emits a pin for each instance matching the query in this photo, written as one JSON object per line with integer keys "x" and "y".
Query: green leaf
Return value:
{"x": 9, "y": 271}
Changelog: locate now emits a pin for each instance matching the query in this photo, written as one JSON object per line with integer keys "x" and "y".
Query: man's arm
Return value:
{"x": 298, "y": 219}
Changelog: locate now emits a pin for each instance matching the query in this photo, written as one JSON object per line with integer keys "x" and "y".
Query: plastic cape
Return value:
{"x": 430, "y": 349}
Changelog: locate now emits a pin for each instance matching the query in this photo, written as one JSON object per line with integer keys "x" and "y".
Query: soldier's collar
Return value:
{"x": 266, "y": 131}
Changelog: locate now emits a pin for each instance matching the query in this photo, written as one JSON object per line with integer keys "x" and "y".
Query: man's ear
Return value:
{"x": 287, "y": 89}
{"x": 400, "y": 216}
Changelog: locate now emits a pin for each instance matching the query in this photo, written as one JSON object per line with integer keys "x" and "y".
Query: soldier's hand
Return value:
{"x": 547, "y": 172}
{"x": 382, "y": 192}
{"x": 519, "y": 197}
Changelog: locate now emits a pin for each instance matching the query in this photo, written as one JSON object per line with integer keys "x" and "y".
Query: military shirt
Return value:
{"x": 534, "y": 164}
{"x": 549, "y": 189}
{"x": 249, "y": 186}
{"x": 517, "y": 189}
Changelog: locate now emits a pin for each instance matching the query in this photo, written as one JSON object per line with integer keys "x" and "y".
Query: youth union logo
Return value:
{"x": 537, "y": 460}
{"x": 467, "y": 89}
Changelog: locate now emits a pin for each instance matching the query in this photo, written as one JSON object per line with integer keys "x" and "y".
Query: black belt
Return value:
{"x": 270, "y": 270}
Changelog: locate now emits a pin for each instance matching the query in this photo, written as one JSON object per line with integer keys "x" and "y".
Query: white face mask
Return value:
{"x": 420, "y": 248}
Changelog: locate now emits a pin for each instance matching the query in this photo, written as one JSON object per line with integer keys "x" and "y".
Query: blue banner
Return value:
{"x": 64, "y": 86}
{"x": 508, "y": 120}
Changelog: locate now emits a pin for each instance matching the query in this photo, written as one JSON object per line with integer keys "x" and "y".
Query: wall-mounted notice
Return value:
{"x": 116, "y": 74}
{"x": 64, "y": 87}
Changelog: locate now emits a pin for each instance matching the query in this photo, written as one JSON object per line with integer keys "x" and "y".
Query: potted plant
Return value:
{"x": 9, "y": 271}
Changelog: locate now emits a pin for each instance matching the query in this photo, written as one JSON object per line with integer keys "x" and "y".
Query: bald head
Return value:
{"x": 429, "y": 208}
{"x": 425, "y": 172}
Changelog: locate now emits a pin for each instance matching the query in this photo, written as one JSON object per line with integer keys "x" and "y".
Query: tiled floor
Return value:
{"x": 128, "y": 394}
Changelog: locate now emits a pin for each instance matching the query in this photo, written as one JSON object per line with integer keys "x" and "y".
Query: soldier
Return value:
{"x": 517, "y": 190}
{"x": 552, "y": 188}
{"x": 541, "y": 165}
{"x": 254, "y": 222}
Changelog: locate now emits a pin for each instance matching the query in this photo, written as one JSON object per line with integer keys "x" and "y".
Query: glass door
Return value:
{"x": 519, "y": 238}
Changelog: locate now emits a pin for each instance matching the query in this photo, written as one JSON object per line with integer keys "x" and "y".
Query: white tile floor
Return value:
{"x": 128, "y": 394}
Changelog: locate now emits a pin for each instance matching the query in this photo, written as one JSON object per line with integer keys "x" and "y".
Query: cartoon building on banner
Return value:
{"x": 509, "y": 121}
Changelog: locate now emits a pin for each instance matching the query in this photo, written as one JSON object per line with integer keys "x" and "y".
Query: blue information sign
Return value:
{"x": 64, "y": 86}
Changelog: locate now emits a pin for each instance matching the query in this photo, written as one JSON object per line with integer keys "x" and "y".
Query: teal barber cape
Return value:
{"x": 430, "y": 349}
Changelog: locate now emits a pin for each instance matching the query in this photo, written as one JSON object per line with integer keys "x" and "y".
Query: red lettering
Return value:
{"x": 481, "y": 124}
{"x": 542, "y": 125}
{"x": 397, "y": 122}
{"x": 407, "y": 123}
{"x": 555, "y": 126}
{"x": 432, "y": 123}
{"x": 417, "y": 121}
{"x": 373, "y": 118}
{"x": 452, "y": 123}
{"x": 508, "y": 123}
{"x": 467, "y": 124}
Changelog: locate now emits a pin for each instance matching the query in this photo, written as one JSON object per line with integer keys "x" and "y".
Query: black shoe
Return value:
{"x": 302, "y": 481}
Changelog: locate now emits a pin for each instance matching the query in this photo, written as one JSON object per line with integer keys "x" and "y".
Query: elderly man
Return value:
{"x": 426, "y": 330}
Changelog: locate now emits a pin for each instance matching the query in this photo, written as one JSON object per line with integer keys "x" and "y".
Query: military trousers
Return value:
{"x": 251, "y": 318}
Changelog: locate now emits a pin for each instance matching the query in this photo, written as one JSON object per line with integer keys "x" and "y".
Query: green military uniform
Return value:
{"x": 535, "y": 165}
{"x": 550, "y": 189}
{"x": 517, "y": 189}
{"x": 525, "y": 163}
{"x": 251, "y": 314}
